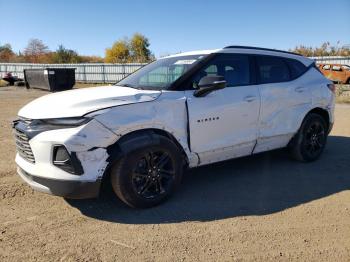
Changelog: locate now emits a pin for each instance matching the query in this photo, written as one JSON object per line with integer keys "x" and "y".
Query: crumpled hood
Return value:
{"x": 78, "y": 102}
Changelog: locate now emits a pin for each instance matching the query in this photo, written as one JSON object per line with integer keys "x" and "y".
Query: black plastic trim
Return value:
{"x": 188, "y": 127}
{"x": 74, "y": 161}
{"x": 65, "y": 188}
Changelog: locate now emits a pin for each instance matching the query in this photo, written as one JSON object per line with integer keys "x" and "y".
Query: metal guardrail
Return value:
{"x": 111, "y": 73}
{"x": 93, "y": 73}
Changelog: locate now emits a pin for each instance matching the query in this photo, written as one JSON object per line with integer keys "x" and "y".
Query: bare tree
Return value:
{"x": 35, "y": 50}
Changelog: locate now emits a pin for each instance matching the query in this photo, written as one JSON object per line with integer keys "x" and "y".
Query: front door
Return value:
{"x": 223, "y": 124}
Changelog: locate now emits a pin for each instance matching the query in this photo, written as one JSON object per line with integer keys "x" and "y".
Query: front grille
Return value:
{"x": 23, "y": 147}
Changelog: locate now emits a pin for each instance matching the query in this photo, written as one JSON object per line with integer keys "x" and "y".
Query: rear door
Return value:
{"x": 284, "y": 98}
{"x": 223, "y": 124}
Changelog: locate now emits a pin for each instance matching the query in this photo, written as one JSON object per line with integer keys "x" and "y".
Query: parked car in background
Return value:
{"x": 181, "y": 111}
{"x": 336, "y": 72}
{"x": 11, "y": 79}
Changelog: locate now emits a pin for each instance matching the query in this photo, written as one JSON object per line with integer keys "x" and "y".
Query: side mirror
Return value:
{"x": 208, "y": 84}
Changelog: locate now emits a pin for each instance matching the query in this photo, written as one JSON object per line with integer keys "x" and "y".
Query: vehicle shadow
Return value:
{"x": 257, "y": 185}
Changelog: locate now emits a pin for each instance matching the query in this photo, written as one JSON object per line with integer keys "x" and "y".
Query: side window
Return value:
{"x": 211, "y": 70}
{"x": 234, "y": 68}
{"x": 336, "y": 68}
{"x": 296, "y": 68}
{"x": 326, "y": 67}
{"x": 272, "y": 69}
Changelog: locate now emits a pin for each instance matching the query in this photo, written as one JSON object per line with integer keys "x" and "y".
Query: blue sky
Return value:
{"x": 89, "y": 26}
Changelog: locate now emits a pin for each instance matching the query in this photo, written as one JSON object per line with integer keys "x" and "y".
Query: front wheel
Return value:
{"x": 148, "y": 175}
{"x": 308, "y": 144}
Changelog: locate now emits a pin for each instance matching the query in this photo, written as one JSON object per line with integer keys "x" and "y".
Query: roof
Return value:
{"x": 249, "y": 50}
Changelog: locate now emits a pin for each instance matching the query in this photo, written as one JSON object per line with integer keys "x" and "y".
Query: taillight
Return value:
{"x": 332, "y": 88}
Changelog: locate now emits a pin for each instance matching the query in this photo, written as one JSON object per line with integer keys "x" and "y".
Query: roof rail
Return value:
{"x": 260, "y": 48}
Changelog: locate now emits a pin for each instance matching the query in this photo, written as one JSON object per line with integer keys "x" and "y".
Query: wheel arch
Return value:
{"x": 316, "y": 110}
{"x": 322, "y": 112}
{"x": 128, "y": 141}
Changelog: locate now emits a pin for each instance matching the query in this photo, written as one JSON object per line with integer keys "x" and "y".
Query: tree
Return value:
{"x": 6, "y": 53}
{"x": 91, "y": 59}
{"x": 326, "y": 49}
{"x": 63, "y": 55}
{"x": 139, "y": 48}
{"x": 118, "y": 53}
{"x": 36, "y": 51}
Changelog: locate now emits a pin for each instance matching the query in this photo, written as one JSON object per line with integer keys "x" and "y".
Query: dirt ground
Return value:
{"x": 260, "y": 208}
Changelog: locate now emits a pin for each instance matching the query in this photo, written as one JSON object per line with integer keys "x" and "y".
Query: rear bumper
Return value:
{"x": 63, "y": 188}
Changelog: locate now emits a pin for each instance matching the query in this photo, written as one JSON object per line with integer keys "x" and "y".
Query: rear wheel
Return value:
{"x": 309, "y": 142}
{"x": 148, "y": 175}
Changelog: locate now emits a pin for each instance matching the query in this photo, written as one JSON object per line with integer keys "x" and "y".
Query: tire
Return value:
{"x": 148, "y": 174}
{"x": 308, "y": 144}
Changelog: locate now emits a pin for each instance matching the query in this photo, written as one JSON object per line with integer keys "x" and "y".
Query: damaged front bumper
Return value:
{"x": 64, "y": 188}
{"x": 87, "y": 148}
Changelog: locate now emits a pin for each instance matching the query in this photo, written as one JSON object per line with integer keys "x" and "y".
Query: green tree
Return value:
{"x": 118, "y": 53}
{"x": 6, "y": 53}
{"x": 139, "y": 48}
{"x": 63, "y": 56}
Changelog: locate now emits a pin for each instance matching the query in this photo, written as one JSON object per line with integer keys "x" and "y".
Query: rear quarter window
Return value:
{"x": 296, "y": 68}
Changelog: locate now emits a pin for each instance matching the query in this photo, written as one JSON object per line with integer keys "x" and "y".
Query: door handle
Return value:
{"x": 249, "y": 98}
{"x": 299, "y": 89}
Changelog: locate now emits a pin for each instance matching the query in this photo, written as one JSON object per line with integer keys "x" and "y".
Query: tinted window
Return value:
{"x": 234, "y": 68}
{"x": 272, "y": 69}
{"x": 296, "y": 68}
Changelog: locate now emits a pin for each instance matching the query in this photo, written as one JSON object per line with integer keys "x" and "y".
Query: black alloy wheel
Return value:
{"x": 153, "y": 174}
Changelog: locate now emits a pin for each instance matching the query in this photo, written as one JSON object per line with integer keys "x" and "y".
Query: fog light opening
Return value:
{"x": 62, "y": 159}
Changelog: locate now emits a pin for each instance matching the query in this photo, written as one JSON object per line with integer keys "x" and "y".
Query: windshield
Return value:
{"x": 160, "y": 74}
{"x": 346, "y": 67}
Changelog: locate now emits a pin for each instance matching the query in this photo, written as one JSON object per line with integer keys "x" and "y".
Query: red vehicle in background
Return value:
{"x": 11, "y": 79}
{"x": 336, "y": 72}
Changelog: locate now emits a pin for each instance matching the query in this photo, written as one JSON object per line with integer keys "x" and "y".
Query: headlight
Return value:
{"x": 67, "y": 121}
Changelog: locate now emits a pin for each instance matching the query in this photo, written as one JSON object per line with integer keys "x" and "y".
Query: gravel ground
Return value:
{"x": 260, "y": 208}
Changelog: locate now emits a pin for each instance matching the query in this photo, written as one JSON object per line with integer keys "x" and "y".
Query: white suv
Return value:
{"x": 185, "y": 110}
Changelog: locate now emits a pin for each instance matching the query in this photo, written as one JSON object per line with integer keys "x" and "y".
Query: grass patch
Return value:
{"x": 343, "y": 94}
